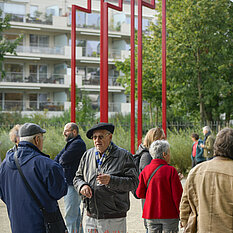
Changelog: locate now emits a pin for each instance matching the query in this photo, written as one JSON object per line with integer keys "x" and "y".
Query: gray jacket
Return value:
{"x": 112, "y": 200}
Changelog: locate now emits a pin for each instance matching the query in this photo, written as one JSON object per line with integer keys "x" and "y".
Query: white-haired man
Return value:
{"x": 208, "y": 143}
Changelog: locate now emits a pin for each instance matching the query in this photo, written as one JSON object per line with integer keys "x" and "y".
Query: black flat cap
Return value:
{"x": 29, "y": 129}
{"x": 108, "y": 126}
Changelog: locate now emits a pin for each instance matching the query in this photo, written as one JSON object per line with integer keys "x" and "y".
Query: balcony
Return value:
{"x": 45, "y": 19}
{"x": 95, "y": 80}
{"x": 34, "y": 78}
{"x": 40, "y": 50}
{"x": 113, "y": 107}
{"x": 19, "y": 105}
{"x": 82, "y": 52}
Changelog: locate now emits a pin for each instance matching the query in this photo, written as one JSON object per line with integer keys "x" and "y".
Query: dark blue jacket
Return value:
{"x": 199, "y": 152}
{"x": 46, "y": 179}
{"x": 70, "y": 157}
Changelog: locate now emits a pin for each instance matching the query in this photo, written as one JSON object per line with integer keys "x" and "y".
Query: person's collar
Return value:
{"x": 107, "y": 151}
{"x": 72, "y": 139}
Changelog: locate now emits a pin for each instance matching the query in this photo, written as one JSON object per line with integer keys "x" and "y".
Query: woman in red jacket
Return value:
{"x": 161, "y": 209}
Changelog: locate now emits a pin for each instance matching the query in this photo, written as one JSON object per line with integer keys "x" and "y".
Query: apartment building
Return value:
{"x": 39, "y": 77}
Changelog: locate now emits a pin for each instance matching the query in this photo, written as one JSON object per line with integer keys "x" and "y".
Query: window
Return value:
{"x": 33, "y": 10}
{"x": 14, "y": 72}
{"x": 92, "y": 48}
{"x": 93, "y": 20}
{"x": 80, "y": 19}
{"x": 13, "y": 101}
{"x": 33, "y": 101}
{"x": 39, "y": 40}
{"x": 145, "y": 22}
{"x": 15, "y": 11}
{"x": 38, "y": 73}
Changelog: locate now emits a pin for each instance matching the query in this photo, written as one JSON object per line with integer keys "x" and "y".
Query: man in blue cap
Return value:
{"x": 105, "y": 177}
{"x": 44, "y": 175}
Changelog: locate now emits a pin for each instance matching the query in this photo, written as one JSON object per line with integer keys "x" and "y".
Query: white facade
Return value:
{"x": 38, "y": 77}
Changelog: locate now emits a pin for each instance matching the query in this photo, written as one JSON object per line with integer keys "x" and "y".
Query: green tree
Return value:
{"x": 200, "y": 51}
{"x": 6, "y": 46}
{"x": 152, "y": 83}
{"x": 199, "y": 60}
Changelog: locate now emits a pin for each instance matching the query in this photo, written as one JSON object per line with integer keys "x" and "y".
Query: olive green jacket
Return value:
{"x": 209, "y": 147}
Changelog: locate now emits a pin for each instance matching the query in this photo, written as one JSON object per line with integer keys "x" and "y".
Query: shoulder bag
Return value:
{"x": 148, "y": 182}
{"x": 53, "y": 221}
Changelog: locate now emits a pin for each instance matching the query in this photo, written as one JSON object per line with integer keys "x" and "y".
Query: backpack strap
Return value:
{"x": 148, "y": 182}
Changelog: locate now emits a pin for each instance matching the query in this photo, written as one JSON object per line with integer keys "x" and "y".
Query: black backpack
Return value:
{"x": 137, "y": 158}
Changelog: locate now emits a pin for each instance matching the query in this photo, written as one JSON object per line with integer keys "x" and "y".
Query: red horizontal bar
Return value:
{"x": 87, "y": 10}
{"x": 118, "y": 8}
{"x": 149, "y": 5}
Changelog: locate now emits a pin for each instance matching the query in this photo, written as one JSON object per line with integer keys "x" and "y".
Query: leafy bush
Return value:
{"x": 6, "y": 144}
{"x": 181, "y": 147}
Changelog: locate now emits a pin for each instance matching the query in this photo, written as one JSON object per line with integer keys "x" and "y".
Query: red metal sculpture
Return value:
{"x": 104, "y": 62}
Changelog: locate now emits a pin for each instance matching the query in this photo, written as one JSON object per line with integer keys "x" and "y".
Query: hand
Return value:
{"x": 86, "y": 191}
{"x": 181, "y": 225}
{"x": 103, "y": 179}
{"x": 202, "y": 146}
{"x": 181, "y": 176}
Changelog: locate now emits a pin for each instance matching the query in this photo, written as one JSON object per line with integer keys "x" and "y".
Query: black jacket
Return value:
{"x": 70, "y": 157}
{"x": 112, "y": 200}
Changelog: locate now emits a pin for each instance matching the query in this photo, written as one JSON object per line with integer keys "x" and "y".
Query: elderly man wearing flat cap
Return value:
{"x": 105, "y": 176}
{"x": 44, "y": 175}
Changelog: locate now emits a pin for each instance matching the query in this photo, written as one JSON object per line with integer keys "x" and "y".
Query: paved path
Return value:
{"x": 134, "y": 219}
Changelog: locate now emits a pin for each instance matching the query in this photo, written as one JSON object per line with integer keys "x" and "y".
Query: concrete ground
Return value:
{"x": 134, "y": 219}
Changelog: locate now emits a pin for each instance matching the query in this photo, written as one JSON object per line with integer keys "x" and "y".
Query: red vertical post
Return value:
{"x": 164, "y": 87}
{"x": 73, "y": 63}
{"x": 104, "y": 57}
{"x": 139, "y": 72}
{"x": 132, "y": 77}
{"x": 73, "y": 55}
{"x": 152, "y": 6}
{"x": 104, "y": 63}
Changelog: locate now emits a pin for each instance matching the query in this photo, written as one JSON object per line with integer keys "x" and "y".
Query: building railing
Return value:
{"x": 112, "y": 107}
{"x": 20, "y": 105}
{"x": 95, "y": 80}
{"x": 47, "y": 19}
{"x": 39, "y": 49}
{"x": 33, "y": 78}
{"x": 113, "y": 53}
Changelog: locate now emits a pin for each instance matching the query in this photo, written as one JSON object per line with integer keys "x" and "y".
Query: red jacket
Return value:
{"x": 164, "y": 191}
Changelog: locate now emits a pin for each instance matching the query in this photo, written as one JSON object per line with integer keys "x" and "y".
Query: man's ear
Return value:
{"x": 164, "y": 154}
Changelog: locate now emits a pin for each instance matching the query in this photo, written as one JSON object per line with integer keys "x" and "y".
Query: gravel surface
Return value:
{"x": 134, "y": 219}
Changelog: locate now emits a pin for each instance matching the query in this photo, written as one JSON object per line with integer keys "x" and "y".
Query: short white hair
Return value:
{"x": 207, "y": 128}
{"x": 158, "y": 147}
{"x": 29, "y": 138}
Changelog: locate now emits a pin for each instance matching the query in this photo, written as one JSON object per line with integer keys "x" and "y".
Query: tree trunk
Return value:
{"x": 199, "y": 87}
{"x": 151, "y": 117}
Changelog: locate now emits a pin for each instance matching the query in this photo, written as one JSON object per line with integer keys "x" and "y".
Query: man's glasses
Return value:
{"x": 101, "y": 137}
